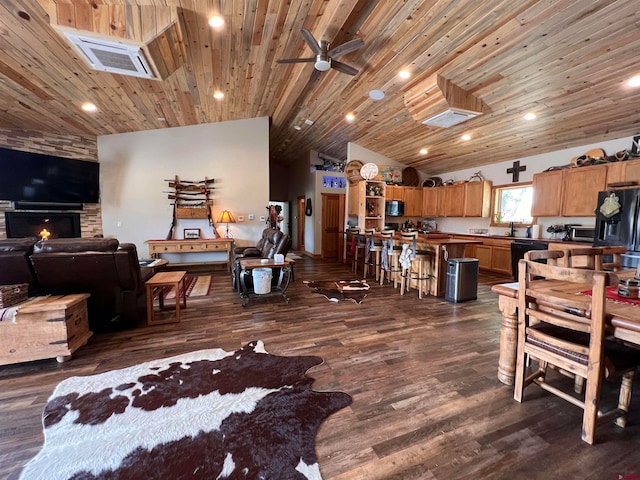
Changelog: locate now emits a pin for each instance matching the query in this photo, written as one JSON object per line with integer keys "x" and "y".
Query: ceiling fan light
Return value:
{"x": 322, "y": 65}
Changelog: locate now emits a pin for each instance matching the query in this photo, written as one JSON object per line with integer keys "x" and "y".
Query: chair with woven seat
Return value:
{"x": 372, "y": 252}
{"x": 390, "y": 258}
{"x": 414, "y": 265}
{"x": 568, "y": 331}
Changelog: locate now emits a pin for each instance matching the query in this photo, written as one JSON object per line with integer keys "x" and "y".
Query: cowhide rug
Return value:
{"x": 355, "y": 290}
{"x": 209, "y": 414}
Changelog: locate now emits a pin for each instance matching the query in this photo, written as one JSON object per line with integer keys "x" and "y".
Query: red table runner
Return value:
{"x": 612, "y": 294}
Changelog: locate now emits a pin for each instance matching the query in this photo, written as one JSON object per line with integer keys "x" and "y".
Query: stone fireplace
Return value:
{"x": 44, "y": 225}
{"x": 90, "y": 219}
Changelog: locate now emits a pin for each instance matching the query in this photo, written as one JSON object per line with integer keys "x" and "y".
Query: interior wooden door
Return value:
{"x": 332, "y": 210}
{"x": 300, "y": 224}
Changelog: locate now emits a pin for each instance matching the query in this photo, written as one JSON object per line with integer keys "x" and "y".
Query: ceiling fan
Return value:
{"x": 324, "y": 58}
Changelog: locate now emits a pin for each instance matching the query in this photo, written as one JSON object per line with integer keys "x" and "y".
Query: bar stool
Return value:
{"x": 414, "y": 265}
{"x": 355, "y": 246}
{"x": 389, "y": 258}
{"x": 372, "y": 252}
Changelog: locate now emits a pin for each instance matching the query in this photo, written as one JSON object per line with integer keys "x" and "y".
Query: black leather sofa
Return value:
{"x": 102, "y": 267}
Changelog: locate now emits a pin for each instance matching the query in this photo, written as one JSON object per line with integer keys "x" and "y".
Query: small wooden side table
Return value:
{"x": 156, "y": 284}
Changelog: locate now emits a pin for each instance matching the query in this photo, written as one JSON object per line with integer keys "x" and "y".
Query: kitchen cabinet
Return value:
{"x": 494, "y": 254}
{"x": 483, "y": 254}
{"x": 453, "y": 200}
{"x": 412, "y": 201}
{"x": 431, "y": 202}
{"x": 580, "y": 190}
{"x": 394, "y": 192}
{"x": 501, "y": 259}
{"x": 627, "y": 171}
{"x": 477, "y": 199}
{"x": 572, "y": 192}
{"x": 547, "y": 194}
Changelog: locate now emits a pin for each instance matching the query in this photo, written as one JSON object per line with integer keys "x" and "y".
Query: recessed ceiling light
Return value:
{"x": 161, "y": 119}
{"x": 218, "y": 95}
{"x": 466, "y": 137}
{"x": 89, "y": 107}
{"x": 308, "y": 121}
{"x": 423, "y": 151}
{"x": 297, "y": 127}
{"x": 350, "y": 117}
{"x": 216, "y": 21}
{"x": 634, "y": 81}
{"x": 529, "y": 116}
{"x": 376, "y": 95}
{"x": 404, "y": 74}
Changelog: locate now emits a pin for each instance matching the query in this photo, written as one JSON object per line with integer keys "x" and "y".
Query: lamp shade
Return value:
{"x": 226, "y": 217}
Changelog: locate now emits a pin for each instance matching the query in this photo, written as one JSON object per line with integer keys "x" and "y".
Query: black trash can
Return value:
{"x": 462, "y": 280}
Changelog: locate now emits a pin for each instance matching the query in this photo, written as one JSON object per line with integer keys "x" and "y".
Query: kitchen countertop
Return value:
{"x": 542, "y": 240}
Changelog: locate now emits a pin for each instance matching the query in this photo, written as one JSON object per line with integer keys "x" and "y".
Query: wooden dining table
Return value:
{"x": 623, "y": 319}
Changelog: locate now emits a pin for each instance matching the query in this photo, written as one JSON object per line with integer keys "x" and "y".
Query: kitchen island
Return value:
{"x": 443, "y": 249}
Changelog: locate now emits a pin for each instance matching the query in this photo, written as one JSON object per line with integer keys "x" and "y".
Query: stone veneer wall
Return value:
{"x": 69, "y": 146}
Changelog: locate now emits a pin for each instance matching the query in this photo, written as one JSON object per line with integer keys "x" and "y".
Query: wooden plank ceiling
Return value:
{"x": 566, "y": 60}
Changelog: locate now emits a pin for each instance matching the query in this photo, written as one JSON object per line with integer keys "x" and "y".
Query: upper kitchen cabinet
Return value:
{"x": 572, "y": 192}
{"x": 628, "y": 171}
{"x": 431, "y": 202}
{"x": 454, "y": 200}
{"x": 581, "y": 187}
{"x": 477, "y": 199}
{"x": 547, "y": 194}
{"x": 394, "y": 192}
{"x": 412, "y": 201}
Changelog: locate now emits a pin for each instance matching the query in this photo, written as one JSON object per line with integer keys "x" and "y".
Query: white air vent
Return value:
{"x": 109, "y": 56}
{"x": 449, "y": 118}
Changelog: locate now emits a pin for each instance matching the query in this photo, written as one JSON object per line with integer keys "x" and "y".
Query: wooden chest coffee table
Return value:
{"x": 54, "y": 326}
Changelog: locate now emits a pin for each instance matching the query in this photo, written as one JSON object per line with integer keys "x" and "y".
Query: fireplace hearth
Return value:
{"x": 39, "y": 224}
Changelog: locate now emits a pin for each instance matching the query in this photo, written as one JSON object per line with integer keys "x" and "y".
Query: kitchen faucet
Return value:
{"x": 512, "y": 231}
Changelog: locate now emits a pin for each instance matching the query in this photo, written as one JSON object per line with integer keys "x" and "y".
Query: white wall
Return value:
{"x": 497, "y": 173}
{"x": 134, "y": 167}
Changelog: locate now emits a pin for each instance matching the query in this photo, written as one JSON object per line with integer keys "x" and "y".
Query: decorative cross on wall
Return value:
{"x": 515, "y": 170}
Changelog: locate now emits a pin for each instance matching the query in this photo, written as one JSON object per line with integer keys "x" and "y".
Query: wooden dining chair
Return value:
{"x": 586, "y": 258}
{"x": 568, "y": 331}
{"x": 610, "y": 258}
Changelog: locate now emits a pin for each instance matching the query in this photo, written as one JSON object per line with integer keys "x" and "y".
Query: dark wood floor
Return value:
{"x": 422, "y": 374}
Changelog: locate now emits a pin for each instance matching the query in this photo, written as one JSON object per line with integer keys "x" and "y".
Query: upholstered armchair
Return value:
{"x": 272, "y": 241}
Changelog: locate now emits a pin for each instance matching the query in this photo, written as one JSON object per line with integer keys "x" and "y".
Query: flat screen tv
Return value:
{"x": 34, "y": 177}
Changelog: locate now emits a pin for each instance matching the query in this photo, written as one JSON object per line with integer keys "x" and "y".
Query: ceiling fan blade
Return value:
{"x": 346, "y": 47}
{"x": 296, "y": 60}
{"x": 311, "y": 41}
{"x": 343, "y": 67}
{"x": 315, "y": 75}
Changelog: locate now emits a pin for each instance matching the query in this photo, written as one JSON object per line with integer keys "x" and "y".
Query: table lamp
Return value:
{"x": 226, "y": 217}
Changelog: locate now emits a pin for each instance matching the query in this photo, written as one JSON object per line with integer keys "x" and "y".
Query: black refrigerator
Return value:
{"x": 619, "y": 225}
